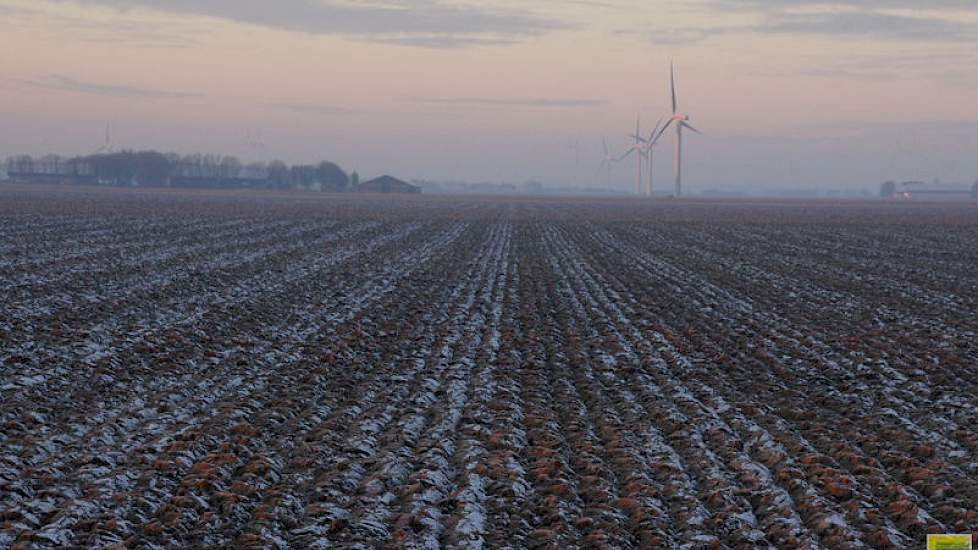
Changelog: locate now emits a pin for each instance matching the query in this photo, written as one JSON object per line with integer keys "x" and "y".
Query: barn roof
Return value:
{"x": 387, "y": 183}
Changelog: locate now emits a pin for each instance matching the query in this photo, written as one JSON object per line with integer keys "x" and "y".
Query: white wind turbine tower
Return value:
{"x": 682, "y": 121}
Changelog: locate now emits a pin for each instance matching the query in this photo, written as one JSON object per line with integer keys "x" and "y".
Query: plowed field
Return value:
{"x": 182, "y": 369}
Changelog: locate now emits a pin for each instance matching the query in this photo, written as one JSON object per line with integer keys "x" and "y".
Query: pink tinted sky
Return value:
{"x": 789, "y": 93}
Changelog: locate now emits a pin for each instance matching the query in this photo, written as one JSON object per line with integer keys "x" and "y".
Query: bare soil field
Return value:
{"x": 212, "y": 370}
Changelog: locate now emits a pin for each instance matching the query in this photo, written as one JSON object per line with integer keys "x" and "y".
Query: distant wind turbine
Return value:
{"x": 682, "y": 121}
{"x": 639, "y": 149}
{"x": 575, "y": 147}
{"x": 106, "y": 147}
{"x": 253, "y": 143}
{"x": 606, "y": 162}
{"x": 646, "y": 150}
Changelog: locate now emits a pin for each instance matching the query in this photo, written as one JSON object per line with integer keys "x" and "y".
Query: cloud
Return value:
{"x": 68, "y": 84}
{"x": 511, "y": 102}
{"x": 845, "y": 24}
{"x": 935, "y": 20}
{"x": 425, "y": 23}
{"x": 875, "y": 24}
{"x": 129, "y": 31}
{"x": 443, "y": 41}
{"x": 673, "y": 36}
{"x": 314, "y": 108}
{"x": 890, "y": 4}
{"x": 11, "y": 11}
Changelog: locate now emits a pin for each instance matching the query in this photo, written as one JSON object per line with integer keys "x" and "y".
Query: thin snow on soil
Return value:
{"x": 252, "y": 370}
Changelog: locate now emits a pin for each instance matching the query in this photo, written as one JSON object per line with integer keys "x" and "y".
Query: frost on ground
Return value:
{"x": 181, "y": 369}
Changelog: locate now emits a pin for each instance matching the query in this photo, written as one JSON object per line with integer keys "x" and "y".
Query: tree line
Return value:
{"x": 155, "y": 169}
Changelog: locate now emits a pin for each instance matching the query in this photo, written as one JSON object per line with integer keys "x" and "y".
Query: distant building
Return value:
{"x": 935, "y": 191}
{"x": 386, "y": 184}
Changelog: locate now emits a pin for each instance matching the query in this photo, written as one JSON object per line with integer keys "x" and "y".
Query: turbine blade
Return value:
{"x": 604, "y": 143}
{"x": 672, "y": 86}
{"x": 637, "y": 137}
{"x": 687, "y": 125}
{"x": 662, "y": 130}
{"x": 651, "y": 140}
{"x": 625, "y": 156}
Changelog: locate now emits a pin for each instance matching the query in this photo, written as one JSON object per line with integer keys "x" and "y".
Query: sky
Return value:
{"x": 791, "y": 94}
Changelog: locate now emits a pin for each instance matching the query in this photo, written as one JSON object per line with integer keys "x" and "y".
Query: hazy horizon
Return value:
{"x": 790, "y": 94}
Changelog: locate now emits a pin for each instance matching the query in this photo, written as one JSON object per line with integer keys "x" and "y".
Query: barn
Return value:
{"x": 387, "y": 184}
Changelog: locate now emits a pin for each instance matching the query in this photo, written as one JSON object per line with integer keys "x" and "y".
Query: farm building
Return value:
{"x": 928, "y": 191}
{"x": 387, "y": 184}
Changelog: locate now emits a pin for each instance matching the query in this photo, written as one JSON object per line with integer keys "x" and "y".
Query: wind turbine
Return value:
{"x": 646, "y": 150}
{"x": 253, "y": 144}
{"x": 682, "y": 121}
{"x": 105, "y": 148}
{"x": 575, "y": 147}
{"x": 639, "y": 148}
{"x": 606, "y": 162}
{"x": 638, "y": 172}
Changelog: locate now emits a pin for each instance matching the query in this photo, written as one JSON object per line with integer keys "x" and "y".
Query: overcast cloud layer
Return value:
{"x": 435, "y": 24}
{"x": 408, "y": 22}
